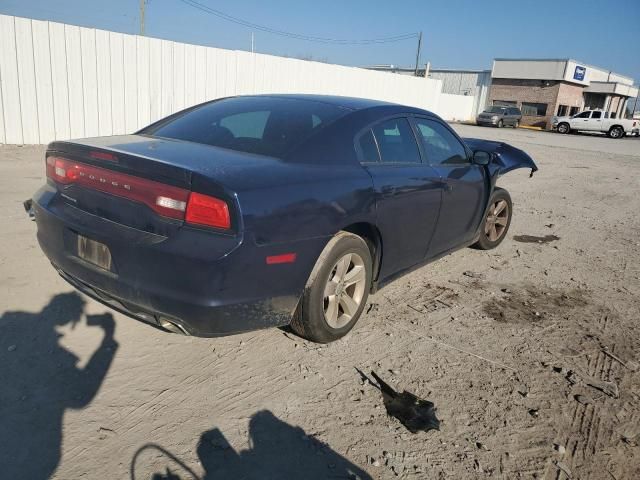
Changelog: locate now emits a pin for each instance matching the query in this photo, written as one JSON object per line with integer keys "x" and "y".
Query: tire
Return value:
{"x": 314, "y": 318}
{"x": 500, "y": 124}
{"x": 495, "y": 227}
{"x": 616, "y": 132}
{"x": 564, "y": 128}
{"x": 517, "y": 124}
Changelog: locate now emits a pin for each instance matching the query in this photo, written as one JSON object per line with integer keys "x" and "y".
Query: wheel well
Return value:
{"x": 616, "y": 126}
{"x": 371, "y": 235}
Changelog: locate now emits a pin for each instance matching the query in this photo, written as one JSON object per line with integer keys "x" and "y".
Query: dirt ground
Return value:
{"x": 530, "y": 353}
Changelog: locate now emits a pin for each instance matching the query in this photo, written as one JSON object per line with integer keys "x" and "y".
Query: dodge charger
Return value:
{"x": 269, "y": 210}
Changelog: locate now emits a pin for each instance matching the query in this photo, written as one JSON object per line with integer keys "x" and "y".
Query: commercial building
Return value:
{"x": 543, "y": 88}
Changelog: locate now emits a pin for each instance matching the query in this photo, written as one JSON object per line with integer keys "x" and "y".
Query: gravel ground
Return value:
{"x": 530, "y": 354}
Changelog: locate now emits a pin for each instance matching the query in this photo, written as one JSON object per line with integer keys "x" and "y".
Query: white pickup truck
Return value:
{"x": 596, "y": 121}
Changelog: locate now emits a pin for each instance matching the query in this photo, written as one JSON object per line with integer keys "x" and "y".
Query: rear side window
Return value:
{"x": 596, "y": 114}
{"x": 263, "y": 125}
{"x": 396, "y": 141}
{"x": 368, "y": 148}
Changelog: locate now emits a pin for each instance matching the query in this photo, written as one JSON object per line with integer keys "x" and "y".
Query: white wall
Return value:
{"x": 469, "y": 82}
{"x": 61, "y": 81}
{"x": 455, "y": 107}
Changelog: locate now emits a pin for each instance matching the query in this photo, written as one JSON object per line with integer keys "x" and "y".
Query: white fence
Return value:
{"x": 61, "y": 81}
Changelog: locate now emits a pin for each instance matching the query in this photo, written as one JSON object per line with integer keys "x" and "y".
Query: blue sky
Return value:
{"x": 457, "y": 33}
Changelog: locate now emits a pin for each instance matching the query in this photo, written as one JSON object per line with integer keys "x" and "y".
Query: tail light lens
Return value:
{"x": 166, "y": 200}
{"x": 209, "y": 211}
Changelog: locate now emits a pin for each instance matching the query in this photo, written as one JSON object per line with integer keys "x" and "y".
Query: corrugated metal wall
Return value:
{"x": 61, "y": 81}
{"x": 470, "y": 83}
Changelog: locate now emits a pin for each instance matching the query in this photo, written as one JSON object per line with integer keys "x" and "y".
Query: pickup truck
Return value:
{"x": 596, "y": 121}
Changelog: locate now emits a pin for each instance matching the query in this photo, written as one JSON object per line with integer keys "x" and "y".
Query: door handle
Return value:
{"x": 447, "y": 186}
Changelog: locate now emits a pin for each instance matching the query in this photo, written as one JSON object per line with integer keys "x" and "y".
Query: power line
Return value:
{"x": 262, "y": 28}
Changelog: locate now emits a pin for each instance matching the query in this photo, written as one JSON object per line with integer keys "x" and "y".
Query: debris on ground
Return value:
{"x": 414, "y": 413}
{"x": 564, "y": 468}
{"x": 608, "y": 388}
{"x": 583, "y": 399}
{"x": 470, "y": 274}
{"x": 534, "y": 239}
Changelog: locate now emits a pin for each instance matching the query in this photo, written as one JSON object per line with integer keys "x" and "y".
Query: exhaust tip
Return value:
{"x": 28, "y": 207}
{"x": 171, "y": 326}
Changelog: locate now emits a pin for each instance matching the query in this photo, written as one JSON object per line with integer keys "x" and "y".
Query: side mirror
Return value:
{"x": 481, "y": 157}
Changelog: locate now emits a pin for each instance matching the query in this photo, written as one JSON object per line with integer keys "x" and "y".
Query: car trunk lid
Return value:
{"x": 115, "y": 173}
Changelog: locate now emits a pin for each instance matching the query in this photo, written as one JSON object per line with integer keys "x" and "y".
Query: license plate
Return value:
{"x": 94, "y": 252}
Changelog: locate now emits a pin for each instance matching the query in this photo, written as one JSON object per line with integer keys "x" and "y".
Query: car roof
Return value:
{"x": 352, "y": 103}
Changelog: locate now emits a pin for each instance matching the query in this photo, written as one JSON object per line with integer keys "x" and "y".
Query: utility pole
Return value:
{"x": 142, "y": 5}
{"x": 418, "y": 53}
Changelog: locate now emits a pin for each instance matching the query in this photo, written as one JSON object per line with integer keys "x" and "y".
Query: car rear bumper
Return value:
{"x": 195, "y": 282}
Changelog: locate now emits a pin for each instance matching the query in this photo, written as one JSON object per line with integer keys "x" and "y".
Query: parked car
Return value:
{"x": 596, "y": 121}
{"x": 258, "y": 211}
{"x": 499, "y": 116}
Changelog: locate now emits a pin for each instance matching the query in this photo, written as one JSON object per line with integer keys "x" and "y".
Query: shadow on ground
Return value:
{"x": 277, "y": 451}
{"x": 40, "y": 379}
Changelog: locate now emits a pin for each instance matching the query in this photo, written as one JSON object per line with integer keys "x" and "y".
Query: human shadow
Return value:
{"x": 278, "y": 451}
{"x": 40, "y": 379}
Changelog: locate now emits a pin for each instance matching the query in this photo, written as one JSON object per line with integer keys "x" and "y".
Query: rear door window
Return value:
{"x": 396, "y": 141}
{"x": 596, "y": 114}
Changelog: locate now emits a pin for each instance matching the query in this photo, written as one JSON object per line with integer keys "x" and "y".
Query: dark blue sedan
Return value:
{"x": 250, "y": 212}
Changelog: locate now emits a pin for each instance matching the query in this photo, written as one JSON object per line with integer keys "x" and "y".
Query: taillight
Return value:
{"x": 206, "y": 210}
{"x": 166, "y": 200}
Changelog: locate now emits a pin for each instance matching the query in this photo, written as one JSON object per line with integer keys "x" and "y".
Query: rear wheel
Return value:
{"x": 564, "y": 128}
{"x": 497, "y": 220}
{"x": 517, "y": 124}
{"x": 616, "y": 132}
{"x": 500, "y": 123}
{"x": 336, "y": 291}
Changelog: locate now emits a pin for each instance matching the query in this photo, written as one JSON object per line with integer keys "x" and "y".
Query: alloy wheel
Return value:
{"x": 344, "y": 290}
{"x": 497, "y": 219}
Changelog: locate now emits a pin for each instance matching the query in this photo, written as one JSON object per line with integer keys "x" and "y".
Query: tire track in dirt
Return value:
{"x": 587, "y": 427}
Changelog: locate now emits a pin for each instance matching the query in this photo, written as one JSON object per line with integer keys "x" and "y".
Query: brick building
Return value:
{"x": 543, "y": 88}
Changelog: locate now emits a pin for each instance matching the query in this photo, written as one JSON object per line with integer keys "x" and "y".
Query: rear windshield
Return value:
{"x": 264, "y": 125}
{"x": 495, "y": 109}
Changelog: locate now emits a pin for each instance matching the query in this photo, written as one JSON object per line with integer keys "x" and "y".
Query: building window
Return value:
{"x": 573, "y": 111}
{"x": 563, "y": 110}
{"x": 506, "y": 103}
{"x": 534, "y": 109}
